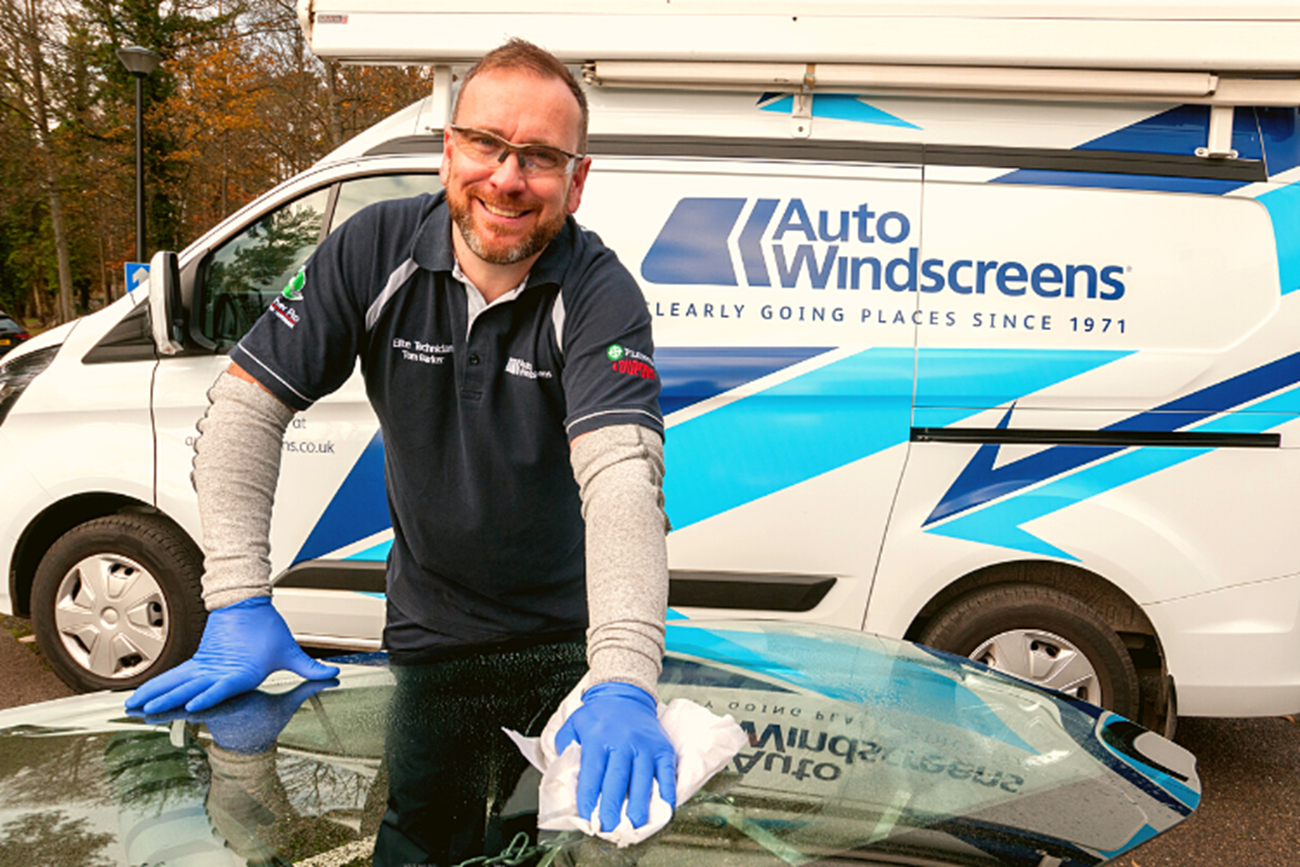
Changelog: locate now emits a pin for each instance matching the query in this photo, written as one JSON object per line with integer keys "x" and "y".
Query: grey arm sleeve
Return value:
{"x": 236, "y": 468}
{"x": 620, "y": 476}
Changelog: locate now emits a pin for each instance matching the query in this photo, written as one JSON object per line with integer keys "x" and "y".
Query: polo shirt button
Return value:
{"x": 473, "y": 359}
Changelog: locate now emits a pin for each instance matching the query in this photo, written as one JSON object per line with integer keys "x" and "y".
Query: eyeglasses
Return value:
{"x": 535, "y": 161}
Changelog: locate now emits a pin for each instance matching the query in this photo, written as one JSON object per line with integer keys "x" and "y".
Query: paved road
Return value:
{"x": 24, "y": 676}
{"x": 1250, "y": 770}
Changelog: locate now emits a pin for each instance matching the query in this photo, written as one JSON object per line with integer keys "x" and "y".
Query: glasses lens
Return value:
{"x": 543, "y": 161}
{"x": 482, "y": 146}
{"x": 488, "y": 149}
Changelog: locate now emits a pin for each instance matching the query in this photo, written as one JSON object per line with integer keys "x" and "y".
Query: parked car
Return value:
{"x": 12, "y": 332}
{"x": 860, "y": 750}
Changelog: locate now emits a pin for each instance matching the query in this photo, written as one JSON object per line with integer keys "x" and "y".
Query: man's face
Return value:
{"x": 505, "y": 218}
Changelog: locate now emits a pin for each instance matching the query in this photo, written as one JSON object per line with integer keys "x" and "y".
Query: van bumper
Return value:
{"x": 1234, "y": 652}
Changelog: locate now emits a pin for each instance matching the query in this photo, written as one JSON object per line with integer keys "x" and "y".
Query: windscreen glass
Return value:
{"x": 858, "y": 750}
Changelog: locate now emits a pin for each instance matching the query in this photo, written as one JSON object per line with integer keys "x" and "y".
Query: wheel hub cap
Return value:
{"x": 111, "y": 616}
{"x": 1043, "y": 658}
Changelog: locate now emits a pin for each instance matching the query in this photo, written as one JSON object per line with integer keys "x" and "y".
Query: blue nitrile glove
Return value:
{"x": 241, "y": 645}
{"x": 624, "y": 750}
{"x": 249, "y": 723}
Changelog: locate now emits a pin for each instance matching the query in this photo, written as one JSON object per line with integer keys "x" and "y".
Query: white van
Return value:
{"x": 996, "y": 348}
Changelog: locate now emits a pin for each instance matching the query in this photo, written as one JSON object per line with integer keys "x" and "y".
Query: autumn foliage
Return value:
{"x": 237, "y": 105}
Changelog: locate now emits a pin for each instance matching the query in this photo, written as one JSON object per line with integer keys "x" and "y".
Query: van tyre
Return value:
{"x": 118, "y": 600}
{"x": 1042, "y": 635}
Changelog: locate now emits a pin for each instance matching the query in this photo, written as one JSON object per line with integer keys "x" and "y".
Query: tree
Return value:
{"x": 51, "y": 839}
{"x": 25, "y": 27}
{"x": 238, "y": 105}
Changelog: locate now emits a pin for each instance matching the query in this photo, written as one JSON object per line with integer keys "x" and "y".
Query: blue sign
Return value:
{"x": 137, "y": 275}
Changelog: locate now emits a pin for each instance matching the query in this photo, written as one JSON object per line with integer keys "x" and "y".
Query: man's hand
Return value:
{"x": 242, "y": 644}
{"x": 250, "y": 723}
{"x": 624, "y": 750}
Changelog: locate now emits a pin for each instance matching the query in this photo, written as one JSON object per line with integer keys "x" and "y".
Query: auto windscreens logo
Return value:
{"x": 783, "y": 242}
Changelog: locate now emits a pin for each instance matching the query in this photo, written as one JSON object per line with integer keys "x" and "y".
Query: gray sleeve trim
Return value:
{"x": 396, "y": 280}
{"x": 278, "y": 378}
{"x": 236, "y": 468}
{"x": 635, "y": 410}
{"x": 620, "y": 476}
{"x": 557, "y": 321}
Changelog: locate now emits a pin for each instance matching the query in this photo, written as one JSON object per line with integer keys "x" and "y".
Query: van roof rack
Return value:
{"x": 891, "y": 41}
{"x": 1221, "y": 54}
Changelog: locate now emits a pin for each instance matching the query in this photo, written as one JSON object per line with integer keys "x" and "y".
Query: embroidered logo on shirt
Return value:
{"x": 519, "y": 367}
{"x": 284, "y": 312}
{"x": 293, "y": 291}
{"x": 425, "y": 353}
{"x": 631, "y": 362}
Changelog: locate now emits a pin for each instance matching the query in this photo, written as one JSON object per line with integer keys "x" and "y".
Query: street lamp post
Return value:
{"x": 139, "y": 62}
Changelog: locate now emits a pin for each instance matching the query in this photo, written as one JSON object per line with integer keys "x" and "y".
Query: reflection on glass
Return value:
{"x": 356, "y": 194}
{"x": 861, "y": 750}
{"x": 246, "y": 272}
{"x": 456, "y": 784}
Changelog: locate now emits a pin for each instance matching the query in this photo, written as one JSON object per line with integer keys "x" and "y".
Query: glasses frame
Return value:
{"x": 509, "y": 147}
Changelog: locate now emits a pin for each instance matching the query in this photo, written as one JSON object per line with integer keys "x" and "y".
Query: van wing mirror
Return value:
{"x": 166, "y": 311}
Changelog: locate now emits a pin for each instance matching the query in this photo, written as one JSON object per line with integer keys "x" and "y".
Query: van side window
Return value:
{"x": 246, "y": 272}
{"x": 355, "y": 195}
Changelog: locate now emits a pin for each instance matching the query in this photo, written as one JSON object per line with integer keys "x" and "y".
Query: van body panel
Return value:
{"x": 1236, "y": 651}
{"x": 81, "y": 428}
{"x": 25, "y": 499}
{"x": 321, "y": 447}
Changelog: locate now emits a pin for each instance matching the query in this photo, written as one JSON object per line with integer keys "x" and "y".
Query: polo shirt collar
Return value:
{"x": 432, "y": 248}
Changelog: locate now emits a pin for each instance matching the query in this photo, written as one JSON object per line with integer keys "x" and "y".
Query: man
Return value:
{"x": 507, "y": 428}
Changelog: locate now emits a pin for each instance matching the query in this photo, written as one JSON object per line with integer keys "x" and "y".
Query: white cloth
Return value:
{"x": 704, "y": 741}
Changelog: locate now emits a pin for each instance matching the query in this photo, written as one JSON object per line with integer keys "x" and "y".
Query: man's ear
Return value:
{"x": 579, "y": 182}
{"x": 444, "y": 168}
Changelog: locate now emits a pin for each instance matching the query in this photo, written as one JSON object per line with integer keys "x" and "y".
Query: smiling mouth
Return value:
{"x": 501, "y": 212}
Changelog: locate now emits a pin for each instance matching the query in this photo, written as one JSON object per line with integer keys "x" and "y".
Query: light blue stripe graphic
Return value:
{"x": 1284, "y": 209}
{"x": 841, "y": 413}
{"x": 790, "y": 433}
{"x": 1000, "y": 523}
{"x": 377, "y": 554}
{"x": 842, "y": 106}
{"x": 985, "y": 378}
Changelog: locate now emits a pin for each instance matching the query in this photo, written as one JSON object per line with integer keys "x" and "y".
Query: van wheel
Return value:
{"x": 118, "y": 600}
{"x": 1044, "y": 636}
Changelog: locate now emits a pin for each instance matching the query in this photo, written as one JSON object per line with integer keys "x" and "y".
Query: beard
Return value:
{"x": 491, "y": 250}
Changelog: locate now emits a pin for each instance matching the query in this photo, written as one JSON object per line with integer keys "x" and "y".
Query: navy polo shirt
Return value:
{"x": 477, "y": 420}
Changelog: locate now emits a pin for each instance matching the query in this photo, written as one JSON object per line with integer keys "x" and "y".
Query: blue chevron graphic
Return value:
{"x": 358, "y": 509}
{"x": 688, "y": 375}
{"x": 1179, "y": 130}
{"x": 979, "y": 482}
{"x": 692, "y": 245}
{"x": 1000, "y": 523}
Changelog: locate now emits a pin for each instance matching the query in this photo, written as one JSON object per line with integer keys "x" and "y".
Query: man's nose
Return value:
{"x": 509, "y": 172}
